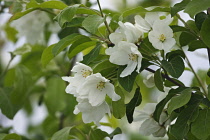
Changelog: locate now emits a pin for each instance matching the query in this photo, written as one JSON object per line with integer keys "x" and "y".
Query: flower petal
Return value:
{"x": 129, "y": 69}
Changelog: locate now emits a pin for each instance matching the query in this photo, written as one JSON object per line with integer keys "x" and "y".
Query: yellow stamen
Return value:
{"x": 85, "y": 73}
{"x": 162, "y": 38}
{"x": 133, "y": 57}
{"x": 100, "y": 85}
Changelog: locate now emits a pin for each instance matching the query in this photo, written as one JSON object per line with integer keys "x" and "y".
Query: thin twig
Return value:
{"x": 7, "y": 67}
{"x": 102, "y": 15}
{"x": 196, "y": 76}
{"x": 166, "y": 77}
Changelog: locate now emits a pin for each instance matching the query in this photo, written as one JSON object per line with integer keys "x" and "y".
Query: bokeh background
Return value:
{"x": 38, "y": 29}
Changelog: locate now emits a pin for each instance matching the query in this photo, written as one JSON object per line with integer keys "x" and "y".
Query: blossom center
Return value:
{"x": 86, "y": 73}
{"x": 100, "y": 86}
{"x": 162, "y": 38}
{"x": 133, "y": 57}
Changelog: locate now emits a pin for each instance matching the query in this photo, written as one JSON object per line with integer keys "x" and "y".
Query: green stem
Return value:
{"x": 187, "y": 26}
{"x": 7, "y": 67}
{"x": 196, "y": 76}
{"x": 102, "y": 15}
{"x": 48, "y": 11}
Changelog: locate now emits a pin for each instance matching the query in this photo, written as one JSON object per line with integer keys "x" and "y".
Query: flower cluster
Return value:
{"x": 90, "y": 91}
{"x": 126, "y": 38}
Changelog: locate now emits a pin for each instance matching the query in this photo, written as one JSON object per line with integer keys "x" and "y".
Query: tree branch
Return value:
{"x": 166, "y": 77}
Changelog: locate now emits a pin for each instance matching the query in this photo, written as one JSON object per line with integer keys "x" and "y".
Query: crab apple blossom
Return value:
{"x": 161, "y": 36}
{"x": 91, "y": 113}
{"x": 95, "y": 88}
{"x": 125, "y": 53}
{"x": 149, "y": 81}
{"x": 81, "y": 72}
{"x": 149, "y": 125}
{"x": 146, "y": 24}
{"x": 127, "y": 32}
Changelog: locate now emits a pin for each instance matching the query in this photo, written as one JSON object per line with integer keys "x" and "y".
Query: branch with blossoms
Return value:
{"x": 117, "y": 48}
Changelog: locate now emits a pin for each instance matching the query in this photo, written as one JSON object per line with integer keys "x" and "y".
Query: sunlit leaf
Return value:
{"x": 179, "y": 7}
{"x": 62, "y": 134}
{"x": 180, "y": 100}
{"x": 92, "y": 22}
{"x": 196, "y": 6}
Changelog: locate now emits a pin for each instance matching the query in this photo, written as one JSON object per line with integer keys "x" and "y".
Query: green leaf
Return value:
{"x": 160, "y": 106}
{"x": 168, "y": 83}
{"x": 128, "y": 81}
{"x": 55, "y": 91}
{"x": 100, "y": 66}
{"x": 87, "y": 10}
{"x": 199, "y": 19}
{"x": 179, "y": 7}
{"x": 98, "y": 134}
{"x": 180, "y": 100}
{"x": 134, "y": 102}
{"x": 20, "y": 14}
{"x": 177, "y": 28}
{"x": 6, "y": 105}
{"x": 185, "y": 38}
{"x": 115, "y": 132}
{"x": 201, "y": 127}
{"x": 175, "y": 53}
{"x": 12, "y": 136}
{"x": 205, "y": 29}
{"x": 22, "y": 50}
{"x": 62, "y": 134}
{"x": 94, "y": 53}
{"x": 75, "y": 22}
{"x": 77, "y": 44}
{"x": 196, "y": 44}
{"x": 66, "y": 15}
{"x": 92, "y": 22}
{"x": 16, "y": 7}
{"x": 47, "y": 55}
{"x": 2, "y": 135}
{"x": 65, "y": 42}
{"x": 158, "y": 80}
{"x": 119, "y": 107}
{"x": 50, "y": 125}
{"x": 175, "y": 67}
{"x": 11, "y": 33}
{"x": 144, "y": 64}
{"x": 196, "y": 6}
{"x": 21, "y": 87}
{"x": 147, "y": 48}
{"x": 48, "y": 4}
{"x": 181, "y": 127}
{"x": 208, "y": 92}
{"x": 140, "y": 9}
{"x": 74, "y": 50}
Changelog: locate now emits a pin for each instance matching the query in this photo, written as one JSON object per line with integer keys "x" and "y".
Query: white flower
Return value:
{"x": 146, "y": 24}
{"x": 91, "y": 113}
{"x": 32, "y": 28}
{"x": 149, "y": 81}
{"x": 125, "y": 53}
{"x": 149, "y": 125}
{"x": 161, "y": 36}
{"x": 81, "y": 72}
{"x": 95, "y": 88}
{"x": 127, "y": 32}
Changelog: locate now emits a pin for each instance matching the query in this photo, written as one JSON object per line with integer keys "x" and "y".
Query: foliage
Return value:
{"x": 117, "y": 47}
